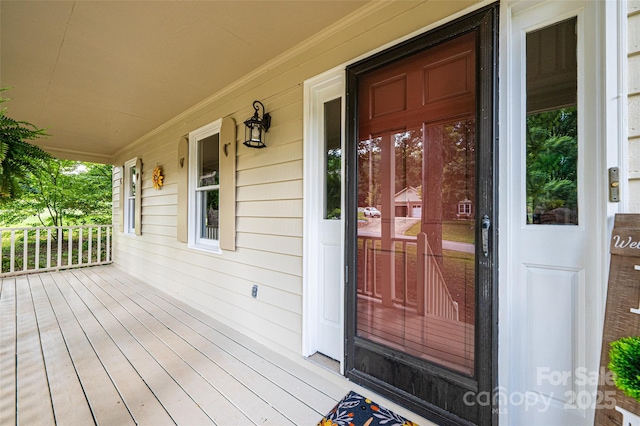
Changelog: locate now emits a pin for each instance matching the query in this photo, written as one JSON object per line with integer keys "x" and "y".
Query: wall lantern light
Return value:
{"x": 256, "y": 127}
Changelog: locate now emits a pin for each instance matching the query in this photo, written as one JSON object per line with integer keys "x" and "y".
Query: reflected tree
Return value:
{"x": 552, "y": 158}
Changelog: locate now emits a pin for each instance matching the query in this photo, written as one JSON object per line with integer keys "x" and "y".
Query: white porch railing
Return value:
{"x": 432, "y": 296}
{"x": 38, "y": 249}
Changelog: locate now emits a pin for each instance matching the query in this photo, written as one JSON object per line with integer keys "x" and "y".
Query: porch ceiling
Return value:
{"x": 100, "y": 74}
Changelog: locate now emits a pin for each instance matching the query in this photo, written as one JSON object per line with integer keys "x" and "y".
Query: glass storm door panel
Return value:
{"x": 421, "y": 300}
{"x": 416, "y": 263}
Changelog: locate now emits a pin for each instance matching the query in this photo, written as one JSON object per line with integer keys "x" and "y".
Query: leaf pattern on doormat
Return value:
{"x": 356, "y": 410}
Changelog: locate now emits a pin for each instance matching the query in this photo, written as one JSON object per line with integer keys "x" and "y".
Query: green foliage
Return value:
{"x": 458, "y": 162}
{"x": 17, "y": 157}
{"x": 552, "y": 160}
{"x": 454, "y": 152}
{"x": 625, "y": 365}
{"x": 333, "y": 183}
{"x": 62, "y": 192}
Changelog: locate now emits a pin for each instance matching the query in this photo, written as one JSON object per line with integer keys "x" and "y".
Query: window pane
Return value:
{"x": 132, "y": 214}
{"x": 209, "y": 214}
{"x": 552, "y": 125}
{"x": 333, "y": 159}
{"x": 132, "y": 181}
{"x": 208, "y": 161}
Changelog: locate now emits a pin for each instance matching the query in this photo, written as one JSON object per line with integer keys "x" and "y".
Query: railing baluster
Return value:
{"x": 25, "y": 249}
{"x": 375, "y": 268}
{"x": 70, "y": 251}
{"x": 89, "y": 254}
{"x": 48, "y": 248}
{"x": 99, "y": 240}
{"x": 109, "y": 229}
{"x": 437, "y": 298}
{"x": 405, "y": 273}
{"x": 12, "y": 256}
{"x": 36, "y": 262}
{"x": 59, "y": 242}
{"x": 80, "y": 246}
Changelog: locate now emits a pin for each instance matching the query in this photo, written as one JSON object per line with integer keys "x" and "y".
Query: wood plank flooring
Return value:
{"x": 94, "y": 346}
{"x": 440, "y": 340}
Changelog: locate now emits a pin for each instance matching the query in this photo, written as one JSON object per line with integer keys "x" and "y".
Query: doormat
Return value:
{"x": 356, "y": 410}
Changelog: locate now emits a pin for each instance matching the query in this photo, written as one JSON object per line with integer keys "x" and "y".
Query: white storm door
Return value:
{"x": 556, "y": 215}
{"x": 324, "y": 223}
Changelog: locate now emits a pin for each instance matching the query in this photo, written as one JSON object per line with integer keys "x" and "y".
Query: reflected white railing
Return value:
{"x": 37, "y": 249}
{"x": 432, "y": 295}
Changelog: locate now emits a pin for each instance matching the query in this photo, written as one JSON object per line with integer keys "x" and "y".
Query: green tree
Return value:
{"x": 369, "y": 188}
{"x": 63, "y": 192}
{"x": 333, "y": 183}
{"x": 458, "y": 163}
{"x": 17, "y": 157}
{"x": 552, "y": 157}
{"x": 408, "y": 153}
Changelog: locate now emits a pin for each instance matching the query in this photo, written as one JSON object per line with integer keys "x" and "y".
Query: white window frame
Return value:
{"x": 195, "y": 241}
{"x": 130, "y": 197}
{"x": 464, "y": 208}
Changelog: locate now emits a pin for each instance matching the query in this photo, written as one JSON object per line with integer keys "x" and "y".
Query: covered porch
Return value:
{"x": 96, "y": 346}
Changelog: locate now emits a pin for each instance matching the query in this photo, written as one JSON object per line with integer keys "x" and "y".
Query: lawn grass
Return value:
{"x": 462, "y": 231}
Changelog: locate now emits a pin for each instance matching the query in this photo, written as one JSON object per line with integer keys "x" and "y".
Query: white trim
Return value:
{"x": 129, "y": 214}
{"x": 318, "y": 90}
{"x": 615, "y": 131}
{"x": 194, "y": 240}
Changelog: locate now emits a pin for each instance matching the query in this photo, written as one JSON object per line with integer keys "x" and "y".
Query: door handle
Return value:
{"x": 486, "y": 224}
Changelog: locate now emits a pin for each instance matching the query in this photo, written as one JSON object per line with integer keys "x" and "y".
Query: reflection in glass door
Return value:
{"x": 420, "y": 161}
{"x": 416, "y": 262}
{"x": 416, "y": 277}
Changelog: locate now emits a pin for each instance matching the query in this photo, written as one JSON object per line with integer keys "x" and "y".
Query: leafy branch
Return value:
{"x": 17, "y": 157}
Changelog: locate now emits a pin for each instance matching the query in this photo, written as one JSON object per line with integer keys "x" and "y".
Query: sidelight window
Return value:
{"x": 333, "y": 158}
{"x": 552, "y": 125}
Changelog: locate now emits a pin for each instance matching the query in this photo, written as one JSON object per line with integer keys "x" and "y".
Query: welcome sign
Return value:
{"x": 625, "y": 242}
{"x": 622, "y": 318}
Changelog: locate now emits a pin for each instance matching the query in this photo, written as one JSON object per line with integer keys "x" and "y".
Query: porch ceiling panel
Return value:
{"x": 100, "y": 74}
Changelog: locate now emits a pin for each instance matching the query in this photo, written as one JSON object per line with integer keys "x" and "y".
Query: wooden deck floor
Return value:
{"x": 94, "y": 346}
{"x": 442, "y": 341}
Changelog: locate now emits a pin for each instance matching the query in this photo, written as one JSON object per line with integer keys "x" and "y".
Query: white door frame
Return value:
{"x": 609, "y": 35}
{"x": 333, "y": 81}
